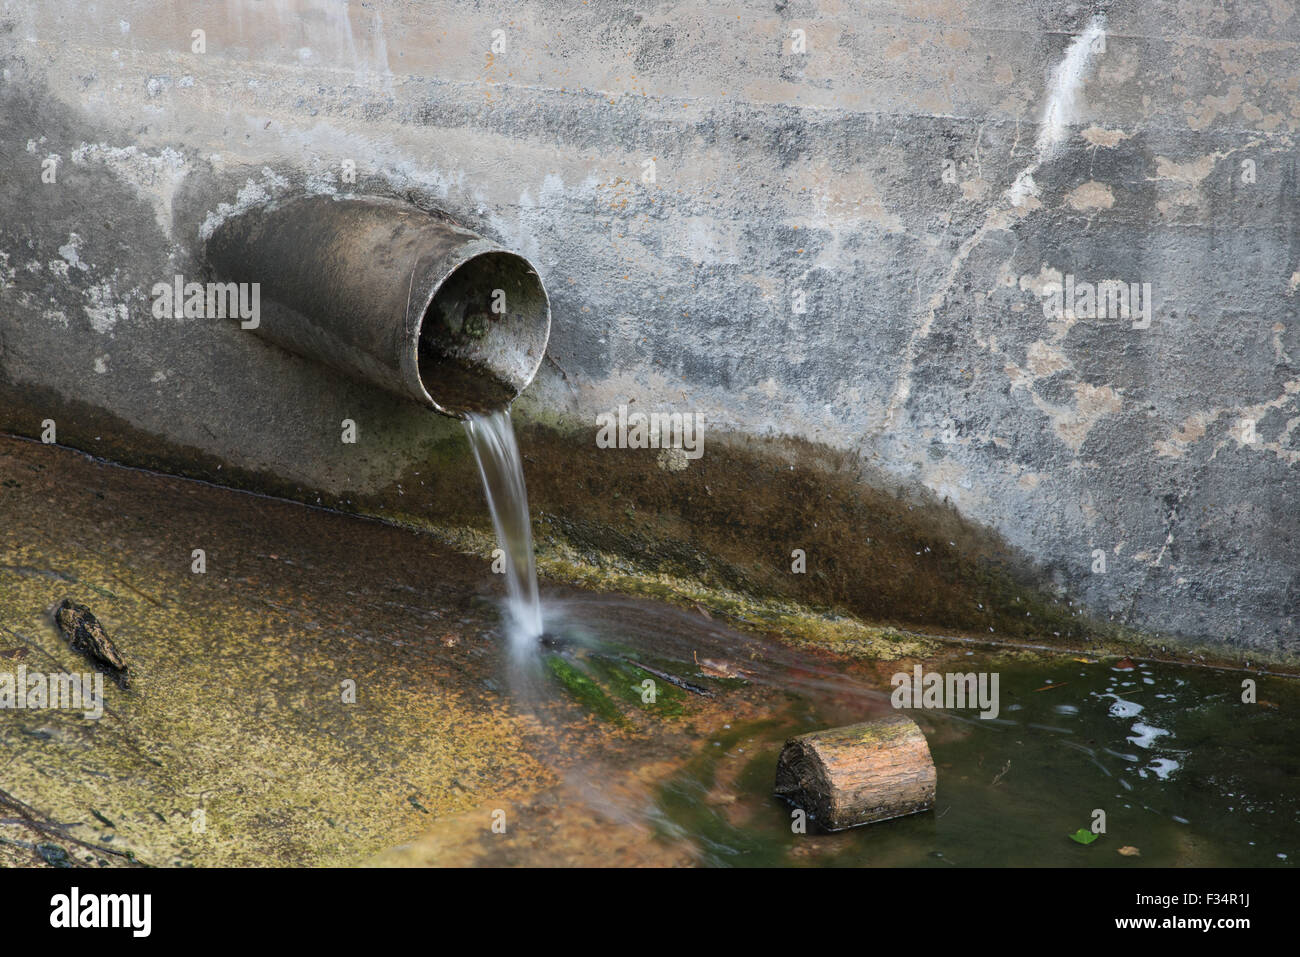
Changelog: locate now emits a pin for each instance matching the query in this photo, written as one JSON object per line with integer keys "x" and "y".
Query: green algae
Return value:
{"x": 583, "y": 689}
{"x": 627, "y": 681}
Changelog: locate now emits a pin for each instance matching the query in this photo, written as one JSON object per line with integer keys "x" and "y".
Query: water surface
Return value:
{"x": 1185, "y": 772}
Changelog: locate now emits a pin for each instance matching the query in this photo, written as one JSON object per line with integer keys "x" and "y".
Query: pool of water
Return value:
{"x": 1185, "y": 772}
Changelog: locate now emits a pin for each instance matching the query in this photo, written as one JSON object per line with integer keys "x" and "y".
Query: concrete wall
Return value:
{"x": 920, "y": 176}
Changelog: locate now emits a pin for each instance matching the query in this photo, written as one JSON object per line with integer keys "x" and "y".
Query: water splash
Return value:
{"x": 492, "y": 437}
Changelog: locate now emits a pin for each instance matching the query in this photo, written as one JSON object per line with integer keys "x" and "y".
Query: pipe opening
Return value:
{"x": 483, "y": 334}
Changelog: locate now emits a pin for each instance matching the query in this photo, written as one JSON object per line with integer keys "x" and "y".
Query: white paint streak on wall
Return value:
{"x": 1061, "y": 110}
{"x": 1068, "y": 78}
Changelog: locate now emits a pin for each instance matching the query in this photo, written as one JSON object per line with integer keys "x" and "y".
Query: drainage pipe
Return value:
{"x": 391, "y": 295}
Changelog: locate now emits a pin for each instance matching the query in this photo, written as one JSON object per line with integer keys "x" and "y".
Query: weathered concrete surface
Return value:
{"x": 871, "y": 175}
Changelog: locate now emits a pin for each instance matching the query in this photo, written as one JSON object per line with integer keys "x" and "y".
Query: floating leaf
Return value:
{"x": 1084, "y": 836}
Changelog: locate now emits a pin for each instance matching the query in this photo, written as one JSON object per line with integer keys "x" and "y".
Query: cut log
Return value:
{"x": 858, "y": 774}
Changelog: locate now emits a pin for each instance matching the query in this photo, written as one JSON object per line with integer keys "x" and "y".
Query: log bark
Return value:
{"x": 860, "y": 773}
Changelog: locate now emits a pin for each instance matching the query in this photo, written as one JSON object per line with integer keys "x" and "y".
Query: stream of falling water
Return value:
{"x": 492, "y": 437}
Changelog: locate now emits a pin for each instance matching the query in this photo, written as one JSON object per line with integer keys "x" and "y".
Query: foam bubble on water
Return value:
{"x": 1161, "y": 768}
{"x": 1144, "y": 735}
{"x": 1122, "y": 707}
